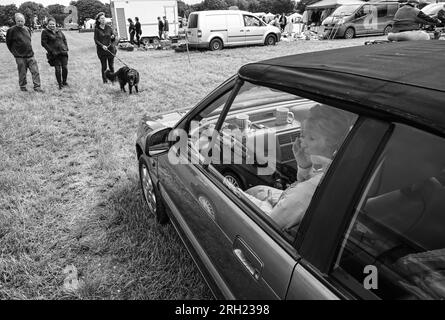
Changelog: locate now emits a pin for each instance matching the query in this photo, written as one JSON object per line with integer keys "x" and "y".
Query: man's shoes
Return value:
{"x": 23, "y": 89}
{"x": 60, "y": 86}
{"x": 38, "y": 89}
{"x": 65, "y": 84}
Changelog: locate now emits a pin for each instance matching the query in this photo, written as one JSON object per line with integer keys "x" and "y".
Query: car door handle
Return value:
{"x": 241, "y": 31}
{"x": 254, "y": 272}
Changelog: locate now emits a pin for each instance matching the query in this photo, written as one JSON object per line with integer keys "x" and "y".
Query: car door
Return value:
{"x": 254, "y": 29}
{"x": 365, "y": 20}
{"x": 236, "y": 30}
{"x": 240, "y": 256}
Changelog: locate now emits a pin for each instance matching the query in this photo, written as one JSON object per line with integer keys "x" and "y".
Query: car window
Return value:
{"x": 193, "y": 21}
{"x": 363, "y": 11}
{"x": 250, "y": 21}
{"x": 200, "y": 128}
{"x": 256, "y": 152}
{"x": 382, "y": 10}
{"x": 397, "y": 229}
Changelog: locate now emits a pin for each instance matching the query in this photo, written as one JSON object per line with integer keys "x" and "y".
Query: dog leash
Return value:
{"x": 114, "y": 55}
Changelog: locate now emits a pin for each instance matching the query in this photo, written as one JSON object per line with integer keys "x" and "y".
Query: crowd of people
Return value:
{"x": 18, "y": 41}
{"x": 407, "y": 22}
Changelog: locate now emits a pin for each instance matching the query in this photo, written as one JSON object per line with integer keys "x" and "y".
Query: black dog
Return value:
{"x": 124, "y": 75}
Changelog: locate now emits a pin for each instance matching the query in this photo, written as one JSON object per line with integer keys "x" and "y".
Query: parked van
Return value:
{"x": 361, "y": 19}
{"x": 216, "y": 29}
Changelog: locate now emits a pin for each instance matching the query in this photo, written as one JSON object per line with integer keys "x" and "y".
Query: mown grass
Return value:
{"x": 69, "y": 190}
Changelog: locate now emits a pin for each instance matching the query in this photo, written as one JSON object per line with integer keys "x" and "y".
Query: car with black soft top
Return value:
{"x": 374, "y": 224}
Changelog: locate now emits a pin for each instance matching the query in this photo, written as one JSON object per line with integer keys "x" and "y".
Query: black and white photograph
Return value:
{"x": 197, "y": 152}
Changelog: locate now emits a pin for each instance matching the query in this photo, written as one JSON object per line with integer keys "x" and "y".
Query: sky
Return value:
{"x": 65, "y": 2}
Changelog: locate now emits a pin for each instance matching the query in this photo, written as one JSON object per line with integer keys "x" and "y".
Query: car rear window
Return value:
{"x": 398, "y": 226}
{"x": 193, "y": 21}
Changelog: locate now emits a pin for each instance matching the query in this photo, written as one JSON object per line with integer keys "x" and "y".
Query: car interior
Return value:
{"x": 261, "y": 108}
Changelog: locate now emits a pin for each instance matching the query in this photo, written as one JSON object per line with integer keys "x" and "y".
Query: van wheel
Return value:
{"x": 387, "y": 30}
{"x": 216, "y": 44}
{"x": 349, "y": 33}
{"x": 270, "y": 40}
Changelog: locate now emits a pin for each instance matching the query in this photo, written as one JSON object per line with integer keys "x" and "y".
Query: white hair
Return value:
{"x": 19, "y": 15}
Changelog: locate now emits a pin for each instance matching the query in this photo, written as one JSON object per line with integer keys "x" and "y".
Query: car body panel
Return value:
{"x": 217, "y": 224}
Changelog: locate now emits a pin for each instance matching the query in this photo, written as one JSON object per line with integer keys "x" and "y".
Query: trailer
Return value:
{"x": 148, "y": 12}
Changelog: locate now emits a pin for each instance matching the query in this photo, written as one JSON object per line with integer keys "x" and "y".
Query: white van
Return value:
{"x": 216, "y": 29}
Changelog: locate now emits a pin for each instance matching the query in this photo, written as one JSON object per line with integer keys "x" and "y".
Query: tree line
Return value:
{"x": 273, "y": 6}
{"x": 86, "y": 9}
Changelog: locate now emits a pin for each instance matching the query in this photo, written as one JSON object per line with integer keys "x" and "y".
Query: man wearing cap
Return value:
{"x": 18, "y": 40}
{"x": 407, "y": 22}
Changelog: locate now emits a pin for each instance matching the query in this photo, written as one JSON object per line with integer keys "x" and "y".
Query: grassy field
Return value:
{"x": 69, "y": 191}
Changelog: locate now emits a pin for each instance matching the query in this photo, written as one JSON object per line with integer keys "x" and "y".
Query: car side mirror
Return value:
{"x": 157, "y": 142}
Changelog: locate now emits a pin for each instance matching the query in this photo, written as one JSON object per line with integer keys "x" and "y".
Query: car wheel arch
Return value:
{"x": 216, "y": 37}
{"x": 271, "y": 34}
{"x": 353, "y": 30}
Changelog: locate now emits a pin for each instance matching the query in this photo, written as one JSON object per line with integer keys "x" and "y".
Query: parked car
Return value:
{"x": 216, "y": 29}
{"x": 378, "y": 210}
{"x": 361, "y": 19}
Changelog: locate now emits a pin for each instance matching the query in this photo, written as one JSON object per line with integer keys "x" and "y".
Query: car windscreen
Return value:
{"x": 193, "y": 21}
{"x": 345, "y": 10}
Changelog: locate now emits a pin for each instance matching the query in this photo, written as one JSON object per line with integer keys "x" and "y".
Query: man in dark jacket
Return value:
{"x": 160, "y": 28}
{"x": 407, "y": 22}
{"x": 138, "y": 29}
{"x": 131, "y": 30}
{"x": 18, "y": 40}
{"x": 165, "y": 28}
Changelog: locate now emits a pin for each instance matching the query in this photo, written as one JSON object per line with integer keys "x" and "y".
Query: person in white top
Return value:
{"x": 322, "y": 134}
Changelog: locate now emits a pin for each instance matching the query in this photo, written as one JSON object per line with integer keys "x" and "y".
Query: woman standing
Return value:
{"x": 54, "y": 41}
{"x": 131, "y": 30}
{"x": 104, "y": 39}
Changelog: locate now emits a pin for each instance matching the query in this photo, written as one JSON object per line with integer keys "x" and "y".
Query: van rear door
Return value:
{"x": 235, "y": 27}
{"x": 192, "y": 28}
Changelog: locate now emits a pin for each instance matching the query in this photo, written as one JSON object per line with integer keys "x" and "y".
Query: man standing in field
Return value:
{"x": 160, "y": 28}
{"x": 18, "y": 40}
{"x": 138, "y": 29}
{"x": 165, "y": 28}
